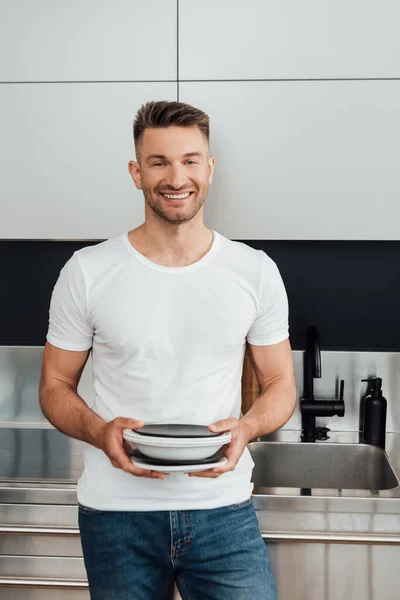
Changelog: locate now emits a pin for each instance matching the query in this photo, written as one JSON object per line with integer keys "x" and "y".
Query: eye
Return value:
{"x": 158, "y": 164}
{"x": 190, "y": 162}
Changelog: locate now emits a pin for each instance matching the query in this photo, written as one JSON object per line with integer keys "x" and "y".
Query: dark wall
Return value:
{"x": 349, "y": 290}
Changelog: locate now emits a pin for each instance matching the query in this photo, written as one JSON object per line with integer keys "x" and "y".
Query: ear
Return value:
{"x": 134, "y": 170}
{"x": 211, "y": 165}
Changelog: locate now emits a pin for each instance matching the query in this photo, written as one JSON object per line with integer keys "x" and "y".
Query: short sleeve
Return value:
{"x": 271, "y": 325}
{"x": 69, "y": 327}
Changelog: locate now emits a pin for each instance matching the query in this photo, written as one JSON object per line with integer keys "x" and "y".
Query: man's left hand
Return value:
{"x": 233, "y": 451}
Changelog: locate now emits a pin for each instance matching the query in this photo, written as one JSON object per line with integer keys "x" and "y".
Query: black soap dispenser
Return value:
{"x": 375, "y": 407}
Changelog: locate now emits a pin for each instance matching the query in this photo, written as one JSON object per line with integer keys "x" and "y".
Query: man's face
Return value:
{"x": 174, "y": 172}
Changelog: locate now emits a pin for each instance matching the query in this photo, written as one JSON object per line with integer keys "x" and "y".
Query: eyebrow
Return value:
{"x": 163, "y": 157}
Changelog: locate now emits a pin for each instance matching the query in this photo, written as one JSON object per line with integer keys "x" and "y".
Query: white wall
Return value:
{"x": 303, "y": 97}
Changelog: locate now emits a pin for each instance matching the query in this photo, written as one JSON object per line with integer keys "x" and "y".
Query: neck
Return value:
{"x": 172, "y": 245}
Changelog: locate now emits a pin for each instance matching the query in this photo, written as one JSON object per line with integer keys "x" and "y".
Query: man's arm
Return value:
{"x": 58, "y": 397}
{"x": 274, "y": 369}
{"x": 275, "y": 373}
{"x": 68, "y": 412}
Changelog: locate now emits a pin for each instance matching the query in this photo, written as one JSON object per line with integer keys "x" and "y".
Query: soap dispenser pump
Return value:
{"x": 375, "y": 408}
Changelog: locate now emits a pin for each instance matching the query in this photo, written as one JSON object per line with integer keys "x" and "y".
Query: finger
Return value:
{"x": 139, "y": 472}
{"x": 232, "y": 456}
{"x": 123, "y": 423}
{"x": 208, "y": 473}
{"x": 230, "y": 465}
{"x": 225, "y": 469}
{"x": 128, "y": 446}
{"x": 224, "y": 425}
{"x": 121, "y": 460}
{"x": 216, "y": 472}
{"x": 226, "y": 447}
{"x": 151, "y": 474}
{"x": 144, "y": 472}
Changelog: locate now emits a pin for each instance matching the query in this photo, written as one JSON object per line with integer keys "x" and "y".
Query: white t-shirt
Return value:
{"x": 167, "y": 346}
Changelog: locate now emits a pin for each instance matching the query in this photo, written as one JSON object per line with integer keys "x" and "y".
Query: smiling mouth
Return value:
{"x": 176, "y": 196}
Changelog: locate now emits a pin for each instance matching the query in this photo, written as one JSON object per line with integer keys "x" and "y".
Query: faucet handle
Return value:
{"x": 341, "y": 390}
{"x": 338, "y": 405}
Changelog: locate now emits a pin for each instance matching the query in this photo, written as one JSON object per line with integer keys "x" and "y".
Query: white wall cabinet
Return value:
{"x": 88, "y": 40}
{"x": 303, "y": 160}
{"x": 289, "y": 39}
{"x": 64, "y": 156}
{"x": 295, "y": 159}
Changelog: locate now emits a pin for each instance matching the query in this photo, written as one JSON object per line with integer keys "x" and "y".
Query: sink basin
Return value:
{"x": 324, "y": 465}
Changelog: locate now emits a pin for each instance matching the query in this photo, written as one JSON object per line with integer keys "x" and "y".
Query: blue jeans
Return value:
{"x": 215, "y": 554}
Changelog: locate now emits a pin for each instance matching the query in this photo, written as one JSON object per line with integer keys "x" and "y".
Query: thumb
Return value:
{"x": 224, "y": 425}
{"x": 130, "y": 423}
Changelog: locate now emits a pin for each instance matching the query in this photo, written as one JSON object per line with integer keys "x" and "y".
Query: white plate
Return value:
{"x": 132, "y": 436}
{"x": 179, "y": 468}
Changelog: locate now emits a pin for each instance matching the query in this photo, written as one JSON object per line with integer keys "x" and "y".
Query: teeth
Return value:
{"x": 178, "y": 196}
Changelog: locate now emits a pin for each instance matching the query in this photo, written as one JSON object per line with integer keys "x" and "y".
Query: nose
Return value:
{"x": 176, "y": 177}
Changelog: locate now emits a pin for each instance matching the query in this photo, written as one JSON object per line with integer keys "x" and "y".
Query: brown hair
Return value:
{"x": 166, "y": 114}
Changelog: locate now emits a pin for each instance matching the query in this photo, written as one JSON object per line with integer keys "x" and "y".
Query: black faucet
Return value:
{"x": 311, "y": 408}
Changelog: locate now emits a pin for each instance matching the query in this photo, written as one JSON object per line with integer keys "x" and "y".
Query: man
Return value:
{"x": 167, "y": 310}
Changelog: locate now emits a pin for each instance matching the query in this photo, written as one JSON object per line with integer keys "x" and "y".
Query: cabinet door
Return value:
{"x": 288, "y": 39}
{"x": 303, "y": 160}
{"x": 90, "y": 40}
{"x": 64, "y": 157}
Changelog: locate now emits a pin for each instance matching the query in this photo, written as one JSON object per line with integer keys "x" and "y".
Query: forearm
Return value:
{"x": 272, "y": 409}
{"x": 69, "y": 413}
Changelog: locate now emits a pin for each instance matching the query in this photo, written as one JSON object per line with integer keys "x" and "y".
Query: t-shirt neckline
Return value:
{"x": 176, "y": 270}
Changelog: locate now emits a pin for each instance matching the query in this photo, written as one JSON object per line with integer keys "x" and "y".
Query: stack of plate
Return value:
{"x": 179, "y": 448}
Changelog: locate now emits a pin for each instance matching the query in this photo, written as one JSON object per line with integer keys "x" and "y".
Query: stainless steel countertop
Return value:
{"x": 41, "y": 466}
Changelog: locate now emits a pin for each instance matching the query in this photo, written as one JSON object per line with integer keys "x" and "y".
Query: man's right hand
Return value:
{"x": 116, "y": 448}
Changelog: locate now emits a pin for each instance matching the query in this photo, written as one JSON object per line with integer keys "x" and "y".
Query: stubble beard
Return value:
{"x": 154, "y": 203}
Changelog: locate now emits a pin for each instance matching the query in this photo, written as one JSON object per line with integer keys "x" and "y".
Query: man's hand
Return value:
{"x": 233, "y": 451}
{"x": 116, "y": 448}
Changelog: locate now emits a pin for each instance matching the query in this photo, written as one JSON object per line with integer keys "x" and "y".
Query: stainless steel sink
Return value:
{"x": 320, "y": 465}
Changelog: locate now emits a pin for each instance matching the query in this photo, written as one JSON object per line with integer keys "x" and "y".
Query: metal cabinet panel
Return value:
{"x": 15, "y": 593}
{"x": 65, "y": 160}
{"x": 303, "y": 160}
{"x": 40, "y": 545}
{"x": 335, "y": 571}
{"x": 39, "y": 515}
{"x": 234, "y": 39}
{"x": 51, "y": 567}
{"x": 88, "y": 41}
